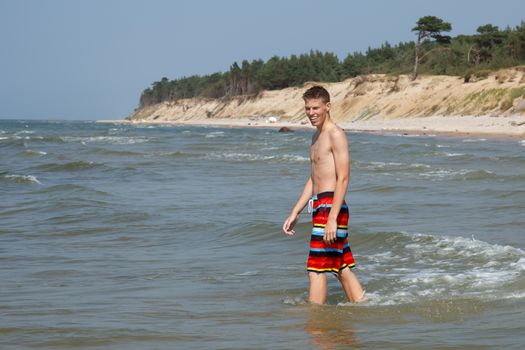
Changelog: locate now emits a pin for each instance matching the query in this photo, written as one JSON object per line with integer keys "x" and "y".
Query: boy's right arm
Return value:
{"x": 292, "y": 219}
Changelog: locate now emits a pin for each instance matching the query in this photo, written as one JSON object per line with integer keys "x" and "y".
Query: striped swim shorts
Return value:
{"x": 325, "y": 257}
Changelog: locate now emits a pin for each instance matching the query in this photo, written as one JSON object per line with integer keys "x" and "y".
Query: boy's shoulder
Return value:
{"x": 336, "y": 132}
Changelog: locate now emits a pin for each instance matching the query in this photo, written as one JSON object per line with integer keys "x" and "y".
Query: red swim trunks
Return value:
{"x": 329, "y": 257}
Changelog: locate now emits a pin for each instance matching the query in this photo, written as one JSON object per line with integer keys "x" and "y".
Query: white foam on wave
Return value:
{"x": 427, "y": 171}
{"x": 30, "y": 151}
{"x": 22, "y": 178}
{"x": 258, "y": 157}
{"x": 458, "y": 173}
{"x": 452, "y": 154}
{"x": 474, "y": 140}
{"x": 395, "y": 166}
{"x": 116, "y": 131}
{"x": 269, "y": 148}
{"x": 383, "y": 164}
{"x": 441, "y": 173}
{"x": 24, "y": 132}
{"x": 298, "y": 300}
{"x": 118, "y": 140}
{"x": 214, "y": 134}
{"x": 295, "y": 158}
{"x": 522, "y": 142}
{"x": 427, "y": 267}
{"x": 516, "y": 295}
{"x": 519, "y": 265}
{"x": 247, "y": 273}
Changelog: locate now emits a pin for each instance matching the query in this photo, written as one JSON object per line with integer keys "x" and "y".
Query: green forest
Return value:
{"x": 432, "y": 53}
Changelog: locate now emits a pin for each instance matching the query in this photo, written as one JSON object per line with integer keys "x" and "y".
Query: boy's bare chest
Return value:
{"x": 319, "y": 150}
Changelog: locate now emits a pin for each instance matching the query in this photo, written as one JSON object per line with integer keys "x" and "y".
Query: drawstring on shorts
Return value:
{"x": 310, "y": 205}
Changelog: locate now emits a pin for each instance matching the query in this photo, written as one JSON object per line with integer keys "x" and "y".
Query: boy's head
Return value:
{"x": 317, "y": 105}
{"x": 317, "y": 92}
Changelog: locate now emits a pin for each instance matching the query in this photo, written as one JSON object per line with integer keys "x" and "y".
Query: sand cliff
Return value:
{"x": 370, "y": 101}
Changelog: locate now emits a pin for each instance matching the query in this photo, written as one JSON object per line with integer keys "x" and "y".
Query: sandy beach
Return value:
{"x": 478, "y": 126}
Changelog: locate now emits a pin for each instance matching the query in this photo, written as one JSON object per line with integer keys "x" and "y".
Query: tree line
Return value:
{"x": 432, "y": 53}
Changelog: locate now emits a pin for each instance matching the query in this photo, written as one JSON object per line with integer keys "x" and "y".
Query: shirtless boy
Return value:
{"x": 325, "y": 190}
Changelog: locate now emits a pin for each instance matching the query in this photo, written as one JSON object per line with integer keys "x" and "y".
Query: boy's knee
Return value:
{"x": 344, "y": 273}
{"x": 317, "y": 277}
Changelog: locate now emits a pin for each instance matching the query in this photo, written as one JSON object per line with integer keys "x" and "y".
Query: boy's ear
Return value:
{"x": 328, "y": 105}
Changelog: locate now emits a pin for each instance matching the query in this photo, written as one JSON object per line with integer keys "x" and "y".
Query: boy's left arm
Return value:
{"x": 342, "y": 169}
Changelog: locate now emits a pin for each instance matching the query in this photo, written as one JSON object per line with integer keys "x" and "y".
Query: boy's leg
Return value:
{"x": 318, "y": 288}
{"x": 353, "y": 290}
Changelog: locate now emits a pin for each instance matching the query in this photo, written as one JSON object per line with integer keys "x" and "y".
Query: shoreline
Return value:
{"x": 511, "y": 127}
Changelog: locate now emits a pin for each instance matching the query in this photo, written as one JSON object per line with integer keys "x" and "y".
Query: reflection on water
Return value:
{"x": 330, "y": 327}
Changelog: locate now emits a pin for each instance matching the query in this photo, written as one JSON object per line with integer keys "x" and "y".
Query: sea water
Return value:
{"x": 116, "y": 236}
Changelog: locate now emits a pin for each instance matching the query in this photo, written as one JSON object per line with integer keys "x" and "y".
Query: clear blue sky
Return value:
{"x": 91, "y": 59}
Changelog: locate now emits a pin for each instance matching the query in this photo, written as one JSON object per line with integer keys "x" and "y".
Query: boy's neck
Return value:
{"x": 327, "y": 123}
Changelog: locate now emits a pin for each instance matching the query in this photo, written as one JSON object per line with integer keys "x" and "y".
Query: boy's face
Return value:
{"x": 316, "y": 110}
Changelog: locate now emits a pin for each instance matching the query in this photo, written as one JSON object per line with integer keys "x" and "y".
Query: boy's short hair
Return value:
{"x": 315, "y": 92}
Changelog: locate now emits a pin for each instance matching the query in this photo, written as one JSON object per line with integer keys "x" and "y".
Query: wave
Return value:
{"x": 70, "y": 166}
{"x": 386, "y": 188}
{"x": 12, "y": 141}
{"x": 497, "y": 158}
{"x": 392, "y": 166}
{"x": 407, "y": 268}
{"x": 47, "y": 139}
{"x": 400, "y": 268}
{"x": 511, "y": 194}
{"x": 32, "y": 153}
{"x": 112, "y": 152}
{"x": 474, "y": 140}
{"x": 473, "y": 157}
{"x": 516, "y": 159}
{"x": 426, "y": 171}
{"x": 214, "y": 134}
{"x": 179, "y": 154}
{"x": 24, "y": 132}
{"x": 69, "y": 189}
{"x": 456, "y": 155}
{"x": 16, "y": 138}
{"x": 20, "y": 179}
{"x": 459, "y": 174}
{"x": 254, "y": 231}
{"x": 116, "y": 140}
{"x": 251, "y": 157}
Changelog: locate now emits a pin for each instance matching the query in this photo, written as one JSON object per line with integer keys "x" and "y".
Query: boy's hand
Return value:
{"x": 330, "y": 231}
{"x": 289, "y": 224}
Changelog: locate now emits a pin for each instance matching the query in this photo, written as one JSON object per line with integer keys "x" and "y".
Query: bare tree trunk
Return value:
{"x": 416, "y": 63}
{"x": 418, "y": 53}
{"x": 468, "y": 54}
